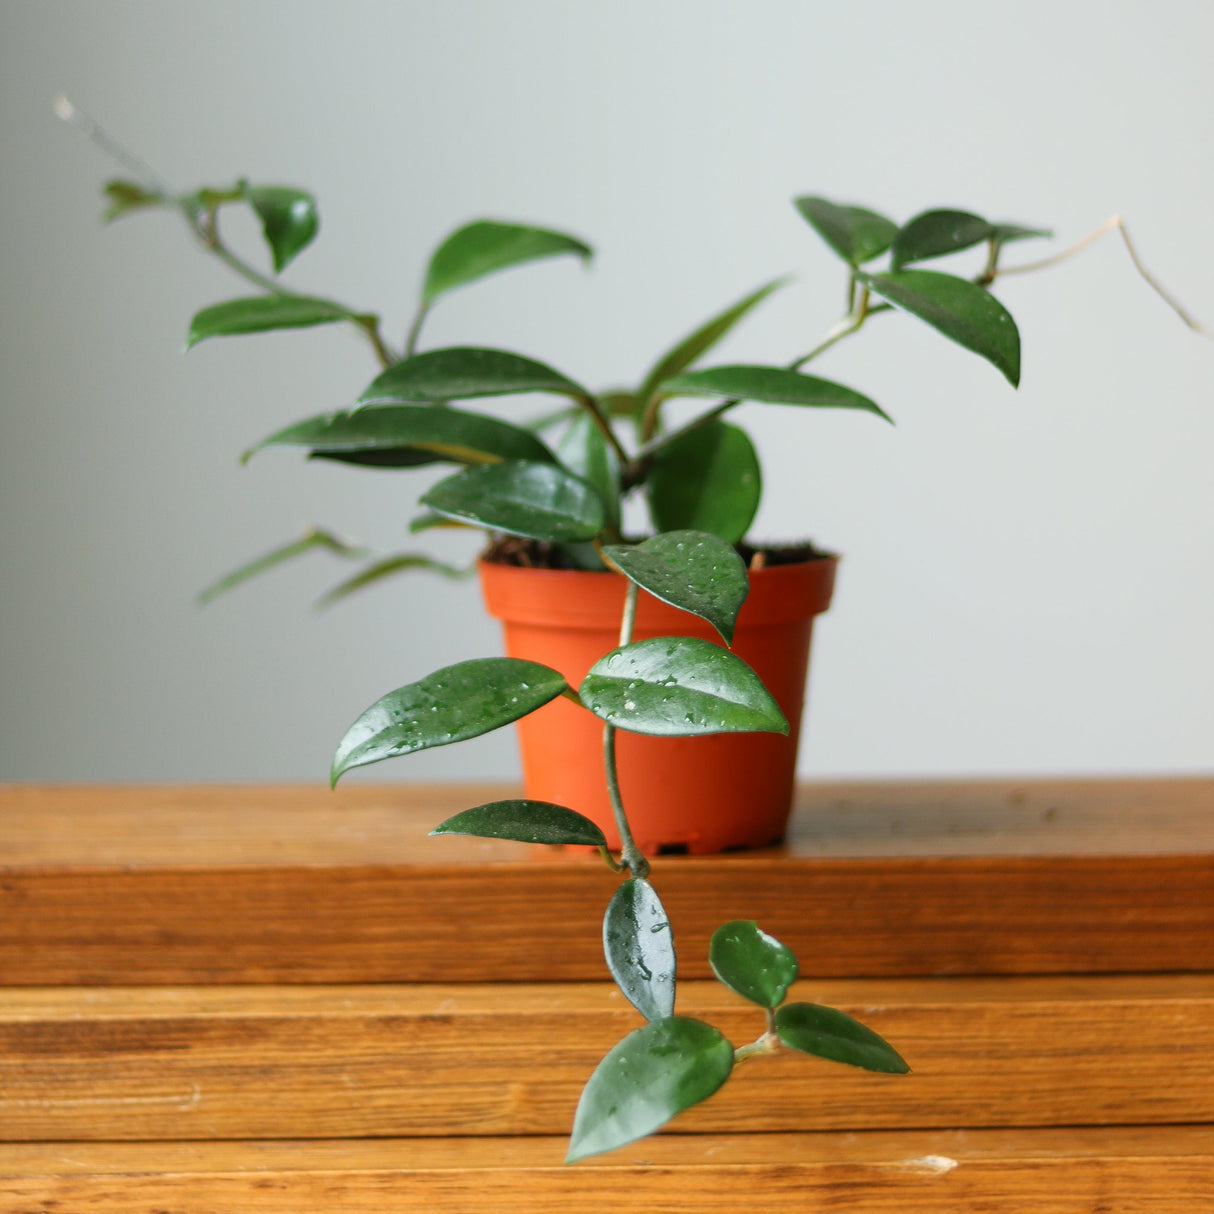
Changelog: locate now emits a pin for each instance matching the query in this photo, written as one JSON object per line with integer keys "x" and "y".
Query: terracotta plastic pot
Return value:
{"x": 702, "y": 794}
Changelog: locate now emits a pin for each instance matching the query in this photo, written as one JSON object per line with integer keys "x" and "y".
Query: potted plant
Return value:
{"x": 655, "y": 659}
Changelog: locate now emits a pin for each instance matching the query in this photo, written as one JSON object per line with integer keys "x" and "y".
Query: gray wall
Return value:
{"x": 1028, "y": 584}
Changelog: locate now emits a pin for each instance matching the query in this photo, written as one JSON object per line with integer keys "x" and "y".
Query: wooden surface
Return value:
{"x": 1135, "y": 1170}
{"x": 332, "y": 1062}
{"x": 190, "y": 885}
{"x": 1065, "y": 1067}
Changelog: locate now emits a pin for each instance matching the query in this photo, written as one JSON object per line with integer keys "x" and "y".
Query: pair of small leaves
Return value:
{"x": 759, "y": 968}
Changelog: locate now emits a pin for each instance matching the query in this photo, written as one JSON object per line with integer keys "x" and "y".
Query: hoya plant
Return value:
{"x": 559, "y": 482}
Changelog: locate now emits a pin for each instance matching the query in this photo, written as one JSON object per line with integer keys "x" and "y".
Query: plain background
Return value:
{"x": 1027, "y": 583}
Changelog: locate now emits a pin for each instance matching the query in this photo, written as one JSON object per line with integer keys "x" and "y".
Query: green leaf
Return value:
{"x": 827, "y": 1033}
{"x": 525, "y": 822}
{"x": 706, "y": 480}
{"x": 586, "y": 453}
{"x": 457, "y": 702}
{"x": 679, "y": 687}
{"x": 429, "y": 521}
{"x": 936, "y": 234}
{"x": 398, "y": 434}
{"x": 640, "y": 949}
{"x": 313, "y": 538}
{"x": 386, "y": 567}
{"x": 696, "y": 344}
{"x": 462, "y": 372}
{"x": 521, "y": 497}
{"x": 752, "y": 963}
{"x": 692, "y": 570}
{"x": 289, "y": 220}
{"x": 770, "y": 385}
{"x": 127, "y": 196}
{"x": 962, "y": 311}
{"x": 262, "y": 313}
{"x": 486, "y": 246}
{"x": 1005, "y": 233}
{"x": 855, "y": 233}
{"x": 654, "y": 1073}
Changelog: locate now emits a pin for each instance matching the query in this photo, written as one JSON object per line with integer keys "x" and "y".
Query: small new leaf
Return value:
{"x": 639, "y": 948}
{"x": 752, "y": 963}
{"x": 525, "y": 822}
{"x": 828, "y": 1033}
{"x": 127, "y": 196}
{"x": 679, "y": 687}
{"x": 692, "y": 570}
{"x": 464, "y": 372}
{"x": 487, "y": 246}
{"x": 289, "y": 220}
{"x": 855, "y": 233}
{"x": 262, "y": 313}
{"x": 457, "y": 702}
{"x": 653, "y": 1074}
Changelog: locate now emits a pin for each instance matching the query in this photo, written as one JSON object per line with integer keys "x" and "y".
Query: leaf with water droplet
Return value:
{"x": 458, "y": 702}
{"x": 716, "y": 692}
{"x": 752, "y": 963}
{"x": 639, "y": 948}
{"x": 525, "y": 822}
{"x": 693, "y": 570}
{"x": 654, "y": 1073}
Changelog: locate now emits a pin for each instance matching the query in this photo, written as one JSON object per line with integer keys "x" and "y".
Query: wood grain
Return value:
{"x": 1133, "y": 1170}
{"x": 328, "y": 1062}
{"x": 191, "y": 885}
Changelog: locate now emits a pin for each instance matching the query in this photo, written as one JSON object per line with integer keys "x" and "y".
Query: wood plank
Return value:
{"x": 1133, "y": 1170}
{"x": 188, "y": 885}
{"x": 328, "y": 1062}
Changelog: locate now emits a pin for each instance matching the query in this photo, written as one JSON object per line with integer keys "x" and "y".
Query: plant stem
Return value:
{"x": 769, "y": 1043}
{"x": 591, "y": 405}
{"x": 1113, "y": 224}
{"x": 630, "y": 854}
{"x": 415, "y": 329}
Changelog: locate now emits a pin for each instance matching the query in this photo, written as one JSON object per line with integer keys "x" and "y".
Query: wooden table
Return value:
{"x": 281, "y": 999}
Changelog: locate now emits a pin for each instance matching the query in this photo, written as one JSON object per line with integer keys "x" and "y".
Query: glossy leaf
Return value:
{"x": 313, "y": 538}
{"x": 127, "y": 196}
{"x": 521, "y": 497}
{"x": 525, "y": 822}
{"x": 653, "y": 1074}
{"x": 770, "y": 385}
{"x": 692, "y": 570}
{"x": 855, "y": 233}
{"x": 289, "y": 220}
{"x": 585, "y": 452}
{"x": 486, "y": 246}
{"x": 389, "y": 565}
{"x": 752, "y": 963}
{"x": 396, "y": 434}
{"x": 464, "y": 372}
{"x": 936, "y": 234}
{"x": 457, "y": 702}
{"x": 828, "y": 1033}
{"x": 696, "y": 345}
{"x": 962, "y": 311}
{"x": 639, "y": 947}
{"x": 261, "y": 314}
{"x": 706, "y": 480}
{"x": 679, "y": 687}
